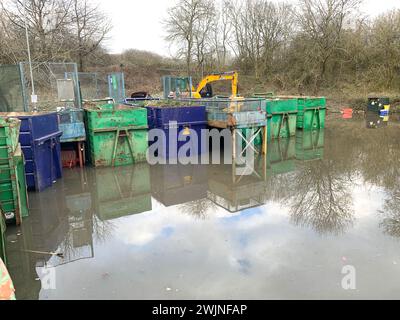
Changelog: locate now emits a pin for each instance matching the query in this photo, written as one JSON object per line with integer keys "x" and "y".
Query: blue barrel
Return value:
{"x": 384, "y": 113}
{"x": 188, "y": 121}
{"x": 40, "y": 142}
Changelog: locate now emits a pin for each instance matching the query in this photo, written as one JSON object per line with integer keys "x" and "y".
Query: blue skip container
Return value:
{"x": 72, "y": 125}
{"x": 188, "y": 122}
{"x": 40, "y": 141}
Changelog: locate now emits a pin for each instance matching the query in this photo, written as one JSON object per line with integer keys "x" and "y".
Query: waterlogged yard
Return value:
{"x": 320, "y": 216}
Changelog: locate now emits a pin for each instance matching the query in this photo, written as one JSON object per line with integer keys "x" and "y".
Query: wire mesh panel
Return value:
{"x": 56, "y": 85}
{"x": 11, "y": 89}
{"x": 240, "y": 113}
{"x": 93, "y": 85}
{"x": 99, "y": 86}
{"x": 116, "y": 86}
{"x": 174, "y": 87}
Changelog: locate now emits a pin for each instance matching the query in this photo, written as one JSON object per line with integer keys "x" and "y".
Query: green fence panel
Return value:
{"x": 12, "y": 97}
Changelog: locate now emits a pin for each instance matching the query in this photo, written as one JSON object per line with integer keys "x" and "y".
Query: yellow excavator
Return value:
{"x": 204, "y": 89}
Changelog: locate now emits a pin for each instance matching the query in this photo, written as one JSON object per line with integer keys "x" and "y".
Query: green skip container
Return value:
{"x": 13, "y": 189}
{"x": 13, "y": 192}
{"x": 9, "y": 137}
{"x": 117, "y": 135}
{"x": 282, "y": 117}
{"x": 312, "y": 113}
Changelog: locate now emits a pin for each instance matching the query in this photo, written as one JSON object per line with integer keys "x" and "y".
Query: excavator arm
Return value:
{"x": 226, "y": 76}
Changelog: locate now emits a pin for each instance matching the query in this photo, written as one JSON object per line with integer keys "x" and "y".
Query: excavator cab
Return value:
{"x": 207, "y": 91}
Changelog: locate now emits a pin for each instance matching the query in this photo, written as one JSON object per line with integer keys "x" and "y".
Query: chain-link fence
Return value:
{"x": 56, "y": 85}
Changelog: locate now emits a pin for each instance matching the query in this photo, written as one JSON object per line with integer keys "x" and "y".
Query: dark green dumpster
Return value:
{"x": 312, "y": 113}
{"x": 282, "y": 116}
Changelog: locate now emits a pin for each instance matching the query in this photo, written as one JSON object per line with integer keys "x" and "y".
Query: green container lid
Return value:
{"x": 112, "y": 116}
{"x": 279, "y": 106}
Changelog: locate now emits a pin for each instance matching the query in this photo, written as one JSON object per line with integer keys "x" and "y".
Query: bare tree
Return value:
{"x": 323, "y": 22}
{"x": 203, "y": 44}
{"x": 222, "y": 34}
{"x": 91, "y": 28}
{"x": 185, "y": 25}
{"x": 260, "y": 29}
{"x": 47, "y": 22}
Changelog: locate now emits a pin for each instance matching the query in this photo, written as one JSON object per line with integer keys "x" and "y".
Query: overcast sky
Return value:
{"x": 138, "y": 23}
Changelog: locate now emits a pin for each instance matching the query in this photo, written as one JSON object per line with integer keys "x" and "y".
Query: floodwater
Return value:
{"x": 325, "y": 201}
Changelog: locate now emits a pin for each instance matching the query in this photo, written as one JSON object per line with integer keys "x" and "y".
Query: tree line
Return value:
{"x": 59, "y": 30}
{"x": 312, "y": 45}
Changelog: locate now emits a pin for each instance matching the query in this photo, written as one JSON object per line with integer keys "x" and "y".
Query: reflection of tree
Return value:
{"x": 319, "y": 197}
{"x": 380, "y": 156}
{"x": 380, "y": 166}
{"x": 102, "y": 230}
{"x": 391, "y": 222}
{"x": 78, "y": 242}
{"x": 198, "y": 209}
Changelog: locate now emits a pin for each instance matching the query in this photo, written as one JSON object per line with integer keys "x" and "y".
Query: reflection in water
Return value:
{"x": 236, "y": 193}
{"x": 177, "y": 184}
{"x": 391, "y": 222}
{"x": 281, "y": 156}
{"x": 198, "y": 209}
{"x": 158, "y": 211}
{"x": 374, "y": 120}
{"x": 321, "y": 198}
{"x": 319, "y": 194}
{"x": 122, "y": 191}
{"x": 380, "y": 153}
{"x": 380, "y": 167}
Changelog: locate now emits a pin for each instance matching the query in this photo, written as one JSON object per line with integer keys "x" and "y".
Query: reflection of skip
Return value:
{"x": 60, "y": 255}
